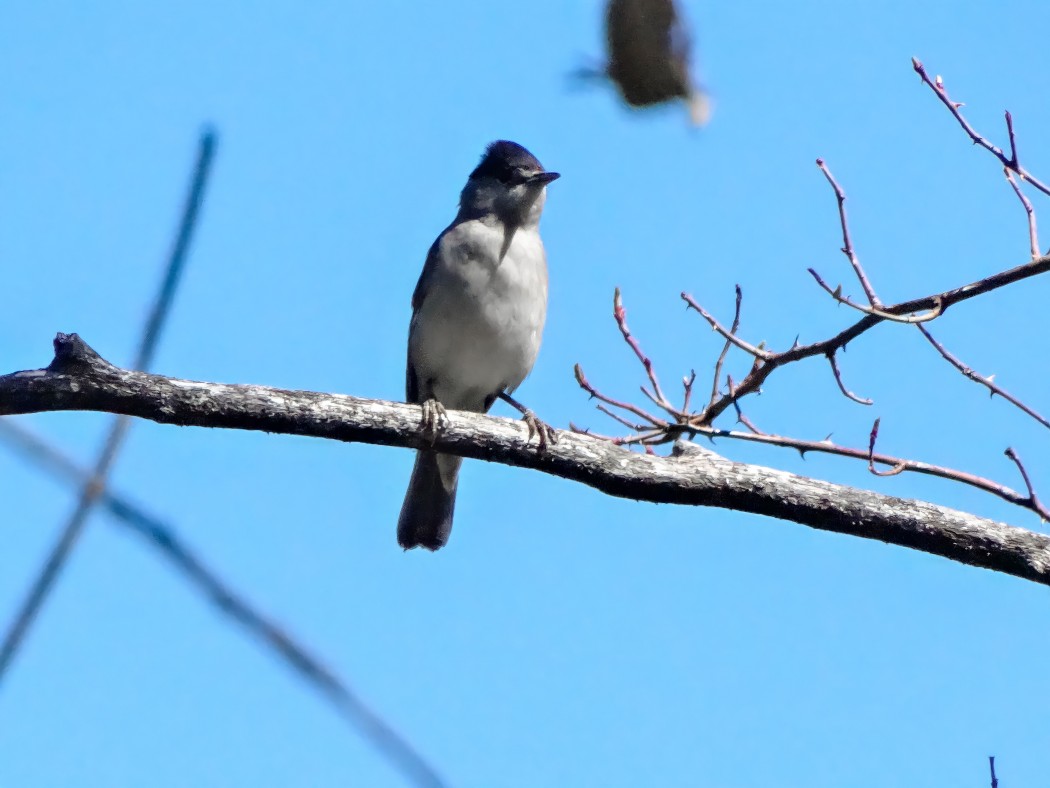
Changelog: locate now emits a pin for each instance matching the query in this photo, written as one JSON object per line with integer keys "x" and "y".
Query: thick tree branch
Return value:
{"x": 79, "y": 379}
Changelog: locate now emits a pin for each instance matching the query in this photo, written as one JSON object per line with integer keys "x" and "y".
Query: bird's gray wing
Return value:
{"x": 426, "y": 276}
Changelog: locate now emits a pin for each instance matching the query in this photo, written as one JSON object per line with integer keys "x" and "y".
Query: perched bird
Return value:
{"x": 477, "y": 318}
{"x": 648, "y": 49}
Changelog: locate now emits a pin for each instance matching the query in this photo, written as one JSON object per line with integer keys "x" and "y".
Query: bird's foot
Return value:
{"x": 545, "y": 431}
{"x": 434, "y": 419}
{"x": 547, "y": 434}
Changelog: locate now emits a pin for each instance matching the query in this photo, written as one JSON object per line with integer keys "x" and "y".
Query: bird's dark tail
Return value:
{"x": 426, "y": 514}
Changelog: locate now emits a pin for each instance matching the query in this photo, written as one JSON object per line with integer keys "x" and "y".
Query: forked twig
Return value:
{"x": 227, "y": 601}
{"x": 730, "y": 336}
{"x": 60, "y": 551}
{"x": 1010, "y": 162}
{"x": 1032, "y": 497}
{"x": 836, "y": 293}
{"x": 847, "y": 242}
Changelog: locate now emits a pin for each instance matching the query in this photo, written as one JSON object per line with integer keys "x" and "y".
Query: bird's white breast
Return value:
{"x": 479, "y": 331}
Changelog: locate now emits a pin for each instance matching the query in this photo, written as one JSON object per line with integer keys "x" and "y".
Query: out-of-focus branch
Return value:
{"x": 264, "y": 630}
{"x": 56, "y": 559}
{"x": 78, "y": 379}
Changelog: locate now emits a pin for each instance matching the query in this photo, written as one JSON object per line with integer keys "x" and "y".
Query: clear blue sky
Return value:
{"x": 562, "y": 638}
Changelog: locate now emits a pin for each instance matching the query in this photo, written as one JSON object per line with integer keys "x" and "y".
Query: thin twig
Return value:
{"x": 757, "y": 352}
{"x": 728, "y": 344}
{"x": 991, "y": 765}
{"x": 847, "y": 243}
{"x": 832, "y": 359}
{"x": 586, "y": 386}
{"x": 873, "y": 436}
{"x": 56, "y": 560}
{"x": 613, "y": 415}
{"x": 1033, "y": 233}
{"x": 620, "y": 314}
{"x": 1036, "y": 505}
{"x": 896, "y": 464}
{"x": 1013, "y": 140}
{"x": 984, "y": 381}
{"x": 687, "y": 385}
{"x": 265, "y": 631}
{"x": 740, "y": 417}
{"x": 836, "y": 293}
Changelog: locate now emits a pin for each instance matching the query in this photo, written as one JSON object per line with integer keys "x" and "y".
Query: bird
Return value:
{"x": 648, "y": 46}
{"x": 478, "y": 311}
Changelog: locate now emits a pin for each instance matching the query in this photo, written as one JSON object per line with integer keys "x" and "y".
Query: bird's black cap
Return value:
{"x": 508, "y": 162}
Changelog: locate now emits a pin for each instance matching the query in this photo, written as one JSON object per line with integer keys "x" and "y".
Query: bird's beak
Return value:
{"x": 544, "y": 177}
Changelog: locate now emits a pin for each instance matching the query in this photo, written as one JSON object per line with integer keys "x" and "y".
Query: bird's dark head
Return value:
{"x": 508, "y": 183}
{"x": 511, "y": 164}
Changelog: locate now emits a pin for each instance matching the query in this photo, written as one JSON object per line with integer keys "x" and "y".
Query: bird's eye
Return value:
{"x": 515, "y": 177}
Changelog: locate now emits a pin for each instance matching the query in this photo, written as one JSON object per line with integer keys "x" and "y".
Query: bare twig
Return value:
{"x": 900, "y": 467}
{"x": 847, "y": 243}
{"x": 586, "y": 386}
{"x": 984, "y": 381}
{"x": 836, "y": 293}
{"x": 1010, "y": 134}
{"x": 730, "y": 336}
{"x": 991, "y": 765}
{"x": 1033, "y": 233}
{"x": 832, "y": 359}
{"x": 740, "y": 417}
{"x": 265, "y": 631}
{"x": 614, "y": 415}
{"x": 71, "y": 532}
{"x": 1010, "y": 162}
{"x": 620, "y": 314}
{"x": 895, "y": 464}
{"x": 1036, "y": 505}
{"x": 725, "y": 348}
{"x": 687, "y": 385}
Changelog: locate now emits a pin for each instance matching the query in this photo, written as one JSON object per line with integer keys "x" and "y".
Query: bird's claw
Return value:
{"x": 434, "y": 419}
{"x": 547, "y": 434}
